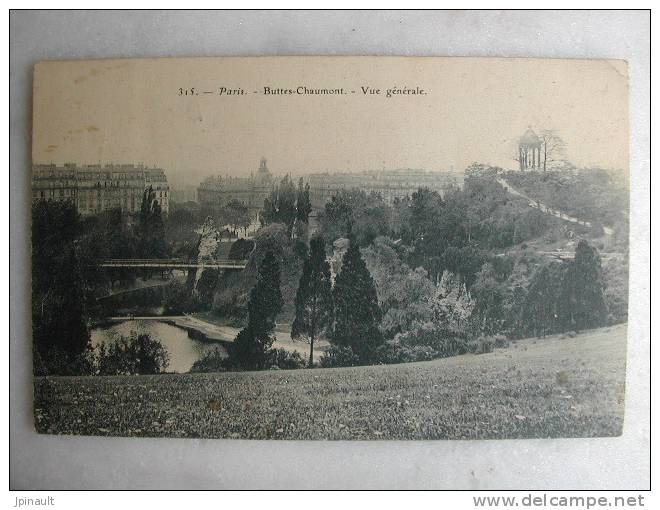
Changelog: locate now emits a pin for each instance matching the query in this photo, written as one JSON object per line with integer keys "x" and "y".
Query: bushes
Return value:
{"x": 58, "y": 362}
{"x": 178, "y": 299}
{"x": 213, "y": 361}
{"x": 339, "y": 356}
{"x": 441, "y": 341}
{"x": 429, "y": 342}
{"x": 217, "y": 360}
{"x": 615, "y": 279}
{"x": 136, "y": 354}
{"x": 285, "y": 360}
{"x": 481, "y": 345}
{"x": 393, "y": 352}
{"x": 206, "y": 286}
{"x": 241, "y": 249}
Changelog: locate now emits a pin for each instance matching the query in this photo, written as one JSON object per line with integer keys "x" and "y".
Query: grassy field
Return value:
{"x": 555, "y": 387}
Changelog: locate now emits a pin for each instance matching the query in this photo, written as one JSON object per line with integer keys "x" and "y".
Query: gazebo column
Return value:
{"x": 536, "y": 157}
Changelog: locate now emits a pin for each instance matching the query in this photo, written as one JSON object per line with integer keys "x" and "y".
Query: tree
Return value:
{"x": 452, "y": 304}
{"x": 206, "y": 285}
{"x": 136, "y": 354}
{"x": 59, "y": 298}
{"x": 151, "y": 230}
{"x": 303, "y": 203}
{"x": 303, "y": 210}
{"x": 540, "y": 310}
{"x": 178, "y": 298}
{"x": 404, "y": 294}
{"x": 237, "y": 215}
{"x": 181, "y": 223}
{"x": 314, "y": 307}
{"x": 107, "y": 236}
{"x": 552, "y": 147}
{"x": 357, "y": 314}
{"x": 241, "y": 249}
{"x": 280, "y": 206}
{"x": 465, "y": 261}
{"x": 488, "y": 293}
{"x": 583, "y": 304}
{"x": 253, "y": 342}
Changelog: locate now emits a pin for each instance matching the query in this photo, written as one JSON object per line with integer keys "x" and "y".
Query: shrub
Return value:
{"x": 394, "y": 352}
{"x": 241, "y": 249}
{"x": 206, "y": 286}
{"x": 501, "y": 341}
{"x": 178, "y": 299}
{"x": 339, "y": 356}
{"x": 286, "y": 360}
{"x": 137, "y": 354}
{"x": 615, "y": 278}
{"x": 56, "y": 361}
{"x": 443, "y": 341}
{"x": 213, "y": 361}
{"x": 481, "y": 345}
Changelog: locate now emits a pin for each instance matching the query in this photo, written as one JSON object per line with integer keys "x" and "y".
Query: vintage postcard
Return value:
{"x": 364, "y": 248}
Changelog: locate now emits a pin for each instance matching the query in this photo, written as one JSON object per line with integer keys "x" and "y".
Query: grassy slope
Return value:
{"x": 556, "y": 387}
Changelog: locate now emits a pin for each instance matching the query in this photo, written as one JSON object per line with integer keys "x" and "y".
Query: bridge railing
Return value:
{"x": 174, "y": 262}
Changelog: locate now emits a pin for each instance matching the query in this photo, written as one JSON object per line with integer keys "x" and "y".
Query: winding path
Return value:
{"x": 547, "y": 210}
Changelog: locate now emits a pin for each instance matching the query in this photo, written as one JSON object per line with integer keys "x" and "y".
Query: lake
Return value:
{"x": 183, "y": 350}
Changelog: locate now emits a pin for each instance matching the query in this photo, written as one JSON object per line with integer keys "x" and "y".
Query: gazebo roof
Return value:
{"x": 530, "y": 138}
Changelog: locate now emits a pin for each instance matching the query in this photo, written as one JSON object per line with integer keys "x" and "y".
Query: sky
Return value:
{"x": 472, "y": 110}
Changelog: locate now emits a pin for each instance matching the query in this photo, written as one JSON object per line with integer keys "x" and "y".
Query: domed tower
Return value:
{"x": 263, "y": 177}
{"x": 529, "y": 150}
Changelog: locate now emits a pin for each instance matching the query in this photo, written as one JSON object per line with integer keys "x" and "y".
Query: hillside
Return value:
{"x": 593, "y": 195}
{"x": 555, "y": 387}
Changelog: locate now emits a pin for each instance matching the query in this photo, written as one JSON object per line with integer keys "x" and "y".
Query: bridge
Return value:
{"x": 231, "y": 265}
{"x": 569, "y": 255}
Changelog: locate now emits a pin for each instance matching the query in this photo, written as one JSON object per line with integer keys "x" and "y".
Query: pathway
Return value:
{"x": 547, "y": 210}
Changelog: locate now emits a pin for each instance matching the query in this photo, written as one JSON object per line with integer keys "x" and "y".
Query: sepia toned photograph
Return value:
{"x": 330, "y": 248}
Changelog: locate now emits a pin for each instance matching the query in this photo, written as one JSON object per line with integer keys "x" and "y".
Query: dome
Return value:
{"x": 530, "y": 138}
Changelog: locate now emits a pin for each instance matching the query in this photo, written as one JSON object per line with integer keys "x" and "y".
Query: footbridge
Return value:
{"x": 226, "y": 264}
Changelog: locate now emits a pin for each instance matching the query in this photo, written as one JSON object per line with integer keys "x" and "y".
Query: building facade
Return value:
{"x": 389, "y": 184}
{"x": 217, "y": 191}
{"x": 97, "y": 188}
{"x": 183, "y": 194}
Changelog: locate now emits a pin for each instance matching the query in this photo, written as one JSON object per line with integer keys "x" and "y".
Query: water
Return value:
{"x": 183, "y": 350}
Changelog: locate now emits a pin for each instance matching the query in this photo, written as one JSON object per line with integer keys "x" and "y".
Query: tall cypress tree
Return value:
{"x": 253, "y": 342}
{"x": 151, "y": 230}
{"x": 314, "y": 307}
{"x": 540, "y": 311}
{"x": 582, "y": 302}
{"x": 303, "y": 203}
{"x": 357, "y": 314}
